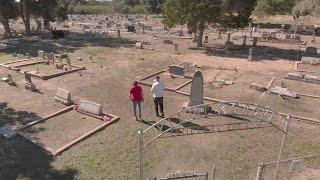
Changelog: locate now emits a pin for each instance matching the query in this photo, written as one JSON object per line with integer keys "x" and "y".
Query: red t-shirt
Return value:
{"x": 136, "y": 92}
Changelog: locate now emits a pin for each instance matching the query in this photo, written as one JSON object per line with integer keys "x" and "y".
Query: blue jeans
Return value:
{"x": 135, "y": 105}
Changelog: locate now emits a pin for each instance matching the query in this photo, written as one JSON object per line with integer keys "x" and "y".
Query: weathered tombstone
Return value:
{"x": 282, "y": 28}
{"x": 69, "y": 63}
{"x": 206, "y": 39}
{"x": 250, "y": 55}
{"x": 118, "y": 35}
{"x": 196, "y": 93}
{"x": 29, "y": 84}
{"x": 63, "y": 96}
{"x": 90, "y": 107}
{"x": 296, "y": 165}
{"x": 219, "y": 36}
{"x": 139, "y": 45}
{"x": 176, "y": 70}
{"x": 244, "y": 43}
{"x": 255, "y": 41}
{"x": 179, "y": 33}
{"x": 10, "y": 80}
{"x": 311, "y": 51}
{"x": 41, "y": 54}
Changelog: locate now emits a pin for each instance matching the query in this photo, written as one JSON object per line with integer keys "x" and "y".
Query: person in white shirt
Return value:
{"x": 157, "y": 90}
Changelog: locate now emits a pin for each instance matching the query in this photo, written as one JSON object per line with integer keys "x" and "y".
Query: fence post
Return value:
{"x": 260, "y": 172}
{"x": 141, "y": 152}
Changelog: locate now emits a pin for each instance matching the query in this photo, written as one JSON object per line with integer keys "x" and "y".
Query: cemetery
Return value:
{"x": 242, "y": 105}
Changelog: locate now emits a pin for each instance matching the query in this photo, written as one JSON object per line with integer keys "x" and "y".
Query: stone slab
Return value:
{"x": 90, "y": 107}
{"x": 63, "y": 96}
{"x": 176, "y": 70}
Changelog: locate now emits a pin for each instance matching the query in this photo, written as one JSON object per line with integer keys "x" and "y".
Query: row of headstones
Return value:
{"x": 64, "y": 97}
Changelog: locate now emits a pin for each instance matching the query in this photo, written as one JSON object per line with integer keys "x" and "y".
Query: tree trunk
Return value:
{"x": 39, "y": 25}
{"x": 200, "y": 37}
{"x": 26, "y": 17}
{"x": 5, "y": 23}
{"x": 46, "y": 24}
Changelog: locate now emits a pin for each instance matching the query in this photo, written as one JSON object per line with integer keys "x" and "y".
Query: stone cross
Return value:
{"x": 250, "y": 55}
{"x": 196, "y": 93}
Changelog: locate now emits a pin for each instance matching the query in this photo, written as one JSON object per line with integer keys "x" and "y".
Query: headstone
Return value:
{"x": 90, "y": 107}
{"x": 296, "y": 165}
{"x": 282, "y": 92}
{"x": 282, "y": 28}
{"x": 244, "y": 43}
{"x": 118, "y": 35}
{"x": 41, "y": 54}
{"x": 219, "y": 36}
{"x": 7, "y": 132}
{"x": 250, "y": 25}
{"x": 206, "y": 39}
{"x": 250, "y": 55}
{"x": 69, "y": 63}
{"x": 255, "y": 41}
{"x": 63, "y": 96}
{"x": 196, "y": 93}
{"x": 310, "y": 60}
{"x": 176, "y": 70}
{"x": 179, "y": 33}
{"x": 258, "y": 87}
{"x": 139, "y": 45}
{"x": 10, "y": 80}
{"x": 311, "y": 51}
{"x": 29, "y": 84}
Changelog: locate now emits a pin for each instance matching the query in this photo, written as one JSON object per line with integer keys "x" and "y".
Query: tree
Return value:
{"x": 24, "y": 6}
{"x": 305, "y": 7}
{"x": 7, "y": 11}
{"x": 195, "y": 13}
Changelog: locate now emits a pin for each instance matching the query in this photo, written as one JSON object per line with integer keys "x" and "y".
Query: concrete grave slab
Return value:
{"x": 90, "y": 107}
{"x": 63, "y": 96}
{"x": 176, "y": 70}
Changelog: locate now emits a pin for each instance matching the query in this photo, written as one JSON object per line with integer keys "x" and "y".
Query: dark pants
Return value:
{"x": 158, "y": 101}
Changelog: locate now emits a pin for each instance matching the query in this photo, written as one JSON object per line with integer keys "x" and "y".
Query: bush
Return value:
{"x": 91, "y": 9}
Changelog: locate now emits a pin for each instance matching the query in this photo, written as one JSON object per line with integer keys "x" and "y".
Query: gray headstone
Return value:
{"x": 63, "y": 96}
{"x": 255, "y": 41}
{"x": 138, "y": 45}
{"x": 310, "y": 60}
{"x": 296, "y": 165}
{"x": 250, "y": 55}
{"x": 176, "y": 70}
{"x": 311, "y": 51}
{"x": 90, "y": 107}
{"x": 196, "y": 93}
{"x": 206, "y": 39}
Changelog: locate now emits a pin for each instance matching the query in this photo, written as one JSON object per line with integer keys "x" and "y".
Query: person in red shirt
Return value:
{"x": 136, "y": 96}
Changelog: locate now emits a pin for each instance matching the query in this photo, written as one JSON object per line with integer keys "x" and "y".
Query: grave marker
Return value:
{"x": 90, "y": 107}
{"x": 176, "y": 70}
{"x": 196, "y": 93}
{"x": 244, "y": 43}
{"x": 255, "y": 41}
{"x": 28, "y": 84}
{"x": 250, "y": 55}
{"x": 296, "y": 165}
{"x": 206, "y": 39}
{"x": 63, "y": 96}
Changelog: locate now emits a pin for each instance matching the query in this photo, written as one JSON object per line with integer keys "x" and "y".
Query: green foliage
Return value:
{"x": 8, "y": 9}
{"x": 91, "y": 9}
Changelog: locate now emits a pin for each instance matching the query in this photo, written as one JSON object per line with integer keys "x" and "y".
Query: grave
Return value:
{"x": 63, "y": 96}
{"x": 139, "y": 45}
{"x": 282, "y": 92}
{"x": 255, "y": 41}
{"x": 258, "y": 87}
{"x": 10, "y": 80}
{"x": 310, "y": 60}
{"x": 29, "y": 84}
{"x": 303, "y": 77}
{"x": 250, "y": 55}
{"x": 311, "y": 51}
{"x": 176, "y": 70}
{"x": 206, "y": 39}
{"x": 90, "y": 107}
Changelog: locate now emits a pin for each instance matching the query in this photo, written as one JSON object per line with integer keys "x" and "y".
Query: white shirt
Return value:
{"x": 157, "y": 89}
